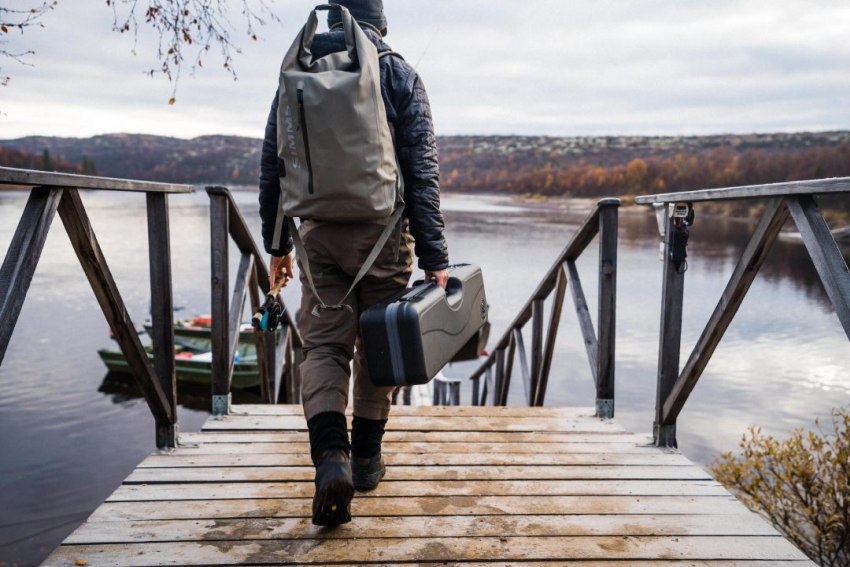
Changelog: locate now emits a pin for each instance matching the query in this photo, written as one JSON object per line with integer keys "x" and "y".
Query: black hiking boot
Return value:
{"x": 367, "y": 473}
{"x": 334, "y": 489}
{"x": 367, "y": 466}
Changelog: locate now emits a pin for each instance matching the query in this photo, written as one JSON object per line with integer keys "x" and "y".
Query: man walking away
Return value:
{"x": 333, "y": 253}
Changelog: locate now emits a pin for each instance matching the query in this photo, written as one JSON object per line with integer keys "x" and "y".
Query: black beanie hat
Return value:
{"x": 364, "y": 11}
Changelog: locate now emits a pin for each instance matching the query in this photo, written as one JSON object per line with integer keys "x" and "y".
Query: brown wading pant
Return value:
{"x": 336, "y": 252}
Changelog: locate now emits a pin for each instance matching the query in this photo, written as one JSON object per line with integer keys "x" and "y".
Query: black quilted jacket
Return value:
{"x": 409, "y": 114}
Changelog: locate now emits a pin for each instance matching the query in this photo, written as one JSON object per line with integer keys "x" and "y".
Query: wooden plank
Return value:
{"x": 584, "y": 321}
{"x": 220, "y": 283}
{"x": 825, "y": 254}
{"x": 411, "y": 423}
{"x": 428, "y": 459}
{"x": 424, "y": 437}
{"x": 94, "y": 265}
{"x": 764, "y": 235}
{"x": 422, "y": 506}
{"x": 162, "y": 309}
{"x": 430, "y": 549}
{"x": 418, "y": 527}
{"x": 403, "y": 488}
{"x": 551, "y": 336}
{"x": 422, "y": 448}
{"x": 631, "y": 563}
{"x": 517, "y": 472}
{"x": 670, "y": 339}
{"x": 21, "y": 258}
{"x": 607, "y": 309}
{"x": 14, "y": 176}
{"x": 458, "y": 412}
{"x": 578, "y": 242}
{"x": 808, "y": 187}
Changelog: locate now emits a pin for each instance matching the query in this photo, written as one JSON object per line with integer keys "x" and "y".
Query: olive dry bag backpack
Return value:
{"x": 335, "y": 148}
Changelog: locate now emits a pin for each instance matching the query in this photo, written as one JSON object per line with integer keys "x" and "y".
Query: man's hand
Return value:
{"x": 280, "y": 266}
{"x": 442, "y": 276}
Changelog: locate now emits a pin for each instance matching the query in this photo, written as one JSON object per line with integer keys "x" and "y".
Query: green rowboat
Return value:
{"x": 196, "y": 370}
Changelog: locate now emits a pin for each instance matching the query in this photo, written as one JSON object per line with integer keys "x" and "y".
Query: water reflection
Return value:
{"x": 121, "y": 388}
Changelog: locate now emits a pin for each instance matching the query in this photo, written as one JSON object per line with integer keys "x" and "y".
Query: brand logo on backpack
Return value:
{"x": 290, "y": 136}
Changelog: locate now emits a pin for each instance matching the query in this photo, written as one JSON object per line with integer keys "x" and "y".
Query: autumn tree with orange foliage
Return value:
{"x": 519, "y": 173}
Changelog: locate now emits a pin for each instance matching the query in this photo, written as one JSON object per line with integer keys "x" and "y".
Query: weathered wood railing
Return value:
{"x": 52, "y": 192}
{"x": 600, "y": 348}
{"x": 782, "y": 199}
{"x": 278, "y": 355}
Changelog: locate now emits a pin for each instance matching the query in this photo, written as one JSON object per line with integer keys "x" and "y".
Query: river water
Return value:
{"x": 70, "y": 436}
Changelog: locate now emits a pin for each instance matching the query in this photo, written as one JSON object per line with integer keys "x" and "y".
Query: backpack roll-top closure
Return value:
{"x": 305, "y": 56}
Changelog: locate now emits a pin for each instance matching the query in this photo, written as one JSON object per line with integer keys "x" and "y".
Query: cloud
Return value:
{"x": 493, "y": 67}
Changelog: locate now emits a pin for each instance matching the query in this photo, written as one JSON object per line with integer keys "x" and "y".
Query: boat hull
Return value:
{"x": 245, "y": 373}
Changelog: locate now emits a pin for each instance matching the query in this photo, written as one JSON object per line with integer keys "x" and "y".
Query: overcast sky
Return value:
{"x": 553, "y": 67}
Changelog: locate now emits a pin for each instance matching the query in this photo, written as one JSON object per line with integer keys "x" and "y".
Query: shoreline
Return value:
{"x": 576, "y": 205}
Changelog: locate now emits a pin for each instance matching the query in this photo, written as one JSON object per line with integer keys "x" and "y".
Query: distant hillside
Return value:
{"x": 578, "y": 166}
{"x": 207, "y": 159}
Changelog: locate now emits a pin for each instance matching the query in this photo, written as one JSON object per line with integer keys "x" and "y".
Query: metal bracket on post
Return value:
{"x": 665, "y": 436}
{"x": 605, "y": 408}
{"x": 221, "y": 405}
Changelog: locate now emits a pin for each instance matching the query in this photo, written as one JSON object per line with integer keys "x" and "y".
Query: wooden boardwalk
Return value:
{"x": 466, "y": 485}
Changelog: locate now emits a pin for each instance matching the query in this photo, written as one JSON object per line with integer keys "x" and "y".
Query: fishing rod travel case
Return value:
{"x": 410, "y": 336}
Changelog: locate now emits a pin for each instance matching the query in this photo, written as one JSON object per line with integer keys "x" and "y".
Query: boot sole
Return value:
{"x": 332, "y": 504}
{"x": 369, "y": 481}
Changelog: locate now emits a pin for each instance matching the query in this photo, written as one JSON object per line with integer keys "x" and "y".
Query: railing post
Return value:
{"x": 264, "y": 343}
{"x": 454, "y": 393}
{"x": 22, "y": 257}
{"x": 670, "y": 338}
{"x": 536, "y": 347}
{"x": 607, "y": 318}
{"x": 297, "y": 355}
{"x": 219, "y": 243}
{"x": 500, "y": 393}
{"x": 438, "y": 393}
{"x": 487, "y": 387}
{"x": 83, "y": 239}
{"x": 162, "y": 312}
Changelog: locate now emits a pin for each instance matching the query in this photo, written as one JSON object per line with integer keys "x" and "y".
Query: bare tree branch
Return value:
{"x": 189, "y": 25}
{"x": 19, "y": 19}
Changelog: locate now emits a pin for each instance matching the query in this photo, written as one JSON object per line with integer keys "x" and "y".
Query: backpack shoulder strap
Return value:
{"x": 389, "y": 52}
{"x": 395, "y": 219}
